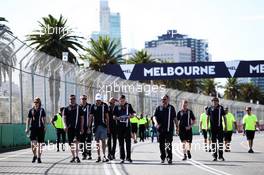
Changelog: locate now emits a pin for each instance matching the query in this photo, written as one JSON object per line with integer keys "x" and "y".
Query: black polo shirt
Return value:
{"x": 163, "y": 118}
{"x": 73, "y": 116}
{"x": 37, "y": 116}
{"x": 216, "y": 115}
{"x": 112, "y": 122}
{"x": 99, "y": 112}
{"x": 123, "y": 111}
{"x": 185, "y": 118}
{"x": 86, "y": 112}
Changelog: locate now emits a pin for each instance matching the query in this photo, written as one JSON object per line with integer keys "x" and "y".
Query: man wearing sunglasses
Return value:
{"x": 164, "y": 119}
{"x": 86, "y": 138}
{"x": 73, "y": 125}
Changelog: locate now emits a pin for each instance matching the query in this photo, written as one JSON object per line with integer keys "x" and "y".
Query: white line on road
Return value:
{"x": 201, "y": 165}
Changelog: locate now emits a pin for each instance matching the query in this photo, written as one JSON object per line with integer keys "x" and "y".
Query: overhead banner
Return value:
{"x": 199, "y": 70}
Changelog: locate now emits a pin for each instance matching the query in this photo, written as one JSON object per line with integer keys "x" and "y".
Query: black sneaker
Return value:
{"x": 58, "y": 150}
{"x": 184, "y": 157}
{"x": 77, "y": 160}
{"x": 84, "y": 157}
{"x": 169, "y": 161}
{"x": 189, "y": 154}
{"x": 129, "y": 160}
{"x": 72, "y": 160}
{"x": 162, "y": 161}
{"x": 34, "y": 159}
{"x": 90, "y": 158}
{"x": 215, "y": 159}
{"x": 122, "y": 161}
{"x": 221, "y": 158}
{"x": 250, "y": 151}
{"x": 98, "y": 160}
{"x": 105, "y": 159}
{"x": 39, "y": 160}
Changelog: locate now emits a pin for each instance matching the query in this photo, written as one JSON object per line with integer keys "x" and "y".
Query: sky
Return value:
{"x": 233, "y": 28}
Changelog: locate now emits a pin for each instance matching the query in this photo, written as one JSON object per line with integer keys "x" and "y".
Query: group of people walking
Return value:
{"x": 117, "y": 120}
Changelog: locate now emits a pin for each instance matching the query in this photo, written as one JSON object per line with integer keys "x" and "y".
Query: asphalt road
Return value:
{"x": 146, "y": 161}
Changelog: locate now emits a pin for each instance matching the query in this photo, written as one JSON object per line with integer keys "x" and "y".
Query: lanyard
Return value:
{"x": 169, "y": 116}
{"x": 77, "y": 116}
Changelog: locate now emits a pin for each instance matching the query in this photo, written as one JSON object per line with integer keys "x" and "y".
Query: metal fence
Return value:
{"x": 27, "y": 73}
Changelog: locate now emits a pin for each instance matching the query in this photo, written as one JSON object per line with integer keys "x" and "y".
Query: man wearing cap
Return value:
{"x": 164, "y": 119}
{"x": 230, "y": 122}
{"x": 205, "y": 130}
{"x": 86, "y": 138}
{"x": 99, "y": 115}
{"x": 122, "y": 113}
{"x": 73, "y": 125}
{"x": 112, "y": 136}
{"x": 216, "y": 117}
{"x": 36, "y": 124}
{"x": 250, "y": 123}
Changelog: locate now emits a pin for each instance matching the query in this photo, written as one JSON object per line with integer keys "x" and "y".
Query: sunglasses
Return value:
{"x": 84, "y": 98}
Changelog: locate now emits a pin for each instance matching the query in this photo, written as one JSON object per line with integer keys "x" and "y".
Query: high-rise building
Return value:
{"x": 115, "y": 31}
{"x": 170, "y": 53}
{"x": 198, "y": 46}
{"x": 109, "y": 22}
{"x": 258, "y": 81}
{"x": 104, "y": 17}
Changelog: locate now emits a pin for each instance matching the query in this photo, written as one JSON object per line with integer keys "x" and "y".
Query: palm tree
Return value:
{"x": 141, "y": 57}
{"x": 102, "y": 52}
{"x": 6, "y": 51}
{"x": 208, "y": 87}
{"x": 231, "y": 89}
{"x": 53, "y": 37}
{"x": 249, "y": 91}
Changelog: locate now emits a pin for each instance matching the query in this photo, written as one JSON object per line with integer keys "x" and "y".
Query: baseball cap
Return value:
{"x": 98, "y": 96}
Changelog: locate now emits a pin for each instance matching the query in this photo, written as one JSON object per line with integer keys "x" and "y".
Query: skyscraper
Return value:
{"x": 104, "y": 17}
{"x": 109, "y": 22}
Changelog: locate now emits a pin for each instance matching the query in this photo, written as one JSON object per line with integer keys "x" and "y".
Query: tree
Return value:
{"x": 249, "y": 91}
{"x": 102, "y": 52}
{"x": 231, "y": 89}
{"x": 53, "y": 37}
{"x": 6, "y": 58}
{"x": 141, "y": 57}
{"x": 208, "y": 87}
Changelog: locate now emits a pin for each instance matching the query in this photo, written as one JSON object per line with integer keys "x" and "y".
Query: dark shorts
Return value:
{"x": 100, "y": 133}
{"x": 250, "y": 135}
{"x": 228, "y": 135}
{"x": 204, "y": 131}
{"x": 134, "y": 127}
{"x": 185, "y": 135}
{"x": 37, "y": 134}
{"x": 73, "y": 135}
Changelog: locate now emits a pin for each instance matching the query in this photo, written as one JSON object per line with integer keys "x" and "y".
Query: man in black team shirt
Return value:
{"x": 185, "y": 120}
{"x": 99, "y": 114}
{"x": 122, "y": 113}
{"x": 164, "y": 119}
{"x": 112, "y": 136}
{"x": 216, "y": 114}
{"x": 86, "y": 139}
{"x": 36, "y": 122}
{"x": 73, "y": 125}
